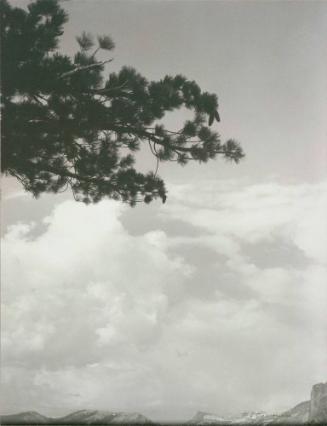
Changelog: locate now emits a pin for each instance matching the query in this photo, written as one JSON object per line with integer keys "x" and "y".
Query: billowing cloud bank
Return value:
{"x": 225, "y": 317}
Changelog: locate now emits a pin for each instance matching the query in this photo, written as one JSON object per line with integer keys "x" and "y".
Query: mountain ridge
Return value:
{"x": 313, "y": 411}
{"x": 83, "y": 417}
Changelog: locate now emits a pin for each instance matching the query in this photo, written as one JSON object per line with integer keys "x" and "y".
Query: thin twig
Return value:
{"x": 110, "y": 89}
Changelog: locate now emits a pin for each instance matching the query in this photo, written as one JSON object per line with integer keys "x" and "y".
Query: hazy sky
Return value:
{"x": 216, "y": 300}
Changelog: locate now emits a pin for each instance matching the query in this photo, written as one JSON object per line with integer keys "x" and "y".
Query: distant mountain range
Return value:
{"x": 297, "y": 415}
{"x": 307, "y": 412}
{"x": 82, "y": 417}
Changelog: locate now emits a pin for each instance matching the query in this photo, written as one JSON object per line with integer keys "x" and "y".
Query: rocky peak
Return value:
{"x": 318, "y": 403}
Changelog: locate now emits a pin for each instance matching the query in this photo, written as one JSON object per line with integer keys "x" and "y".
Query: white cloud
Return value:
{"x": 257, "y": 212}
{"x": 83, "y": 289}
{"x": 96, "y": 317}
{"x": 293, "y": 215}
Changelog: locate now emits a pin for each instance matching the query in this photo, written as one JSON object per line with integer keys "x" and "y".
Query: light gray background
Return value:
{"x": 216, "y": 300}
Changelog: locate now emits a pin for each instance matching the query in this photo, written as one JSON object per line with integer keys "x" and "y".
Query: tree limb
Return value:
{"x": 84, "y": 68}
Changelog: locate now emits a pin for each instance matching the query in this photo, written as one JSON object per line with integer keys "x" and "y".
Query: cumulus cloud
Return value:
{"x": 167, "y": 324}
{"x": 83, "y": 292}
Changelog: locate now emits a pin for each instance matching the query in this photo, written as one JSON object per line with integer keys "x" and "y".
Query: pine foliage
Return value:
{"x": 65, "y": 125}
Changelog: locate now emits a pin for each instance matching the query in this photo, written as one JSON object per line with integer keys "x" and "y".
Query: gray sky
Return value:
{"x": 215, "y": 301}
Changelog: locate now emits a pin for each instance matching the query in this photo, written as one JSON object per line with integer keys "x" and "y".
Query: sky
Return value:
{"x": 216, "y": 300}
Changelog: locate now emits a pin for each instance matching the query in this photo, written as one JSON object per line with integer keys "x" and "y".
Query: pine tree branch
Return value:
{"x": 52, "y": 114}
{"x": 85, "y": 68}
{"x": 95, "y": 52}
{"x": 110, "y": 89}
